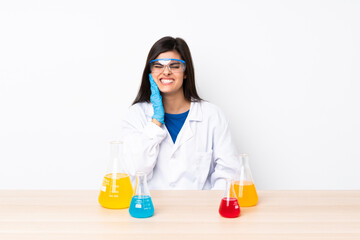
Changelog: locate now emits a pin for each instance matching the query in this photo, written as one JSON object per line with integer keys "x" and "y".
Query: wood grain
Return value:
{"x": 43, "y": 214}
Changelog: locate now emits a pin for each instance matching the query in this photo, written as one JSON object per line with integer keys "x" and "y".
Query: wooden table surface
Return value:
{"x": 52, "y": 214}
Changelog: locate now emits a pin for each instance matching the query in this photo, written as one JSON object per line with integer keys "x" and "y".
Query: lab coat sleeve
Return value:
{"x": 141, "y": 139}
{"x": 225, "y": 155}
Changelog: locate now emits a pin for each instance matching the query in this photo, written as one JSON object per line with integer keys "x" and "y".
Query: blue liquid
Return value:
{"x": 141, "y": 207}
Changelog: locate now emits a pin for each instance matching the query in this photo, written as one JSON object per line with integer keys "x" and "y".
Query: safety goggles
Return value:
{"x": 173, "y": 65}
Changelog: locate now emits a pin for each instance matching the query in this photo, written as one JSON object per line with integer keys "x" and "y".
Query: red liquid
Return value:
{"x": 229, "y": 208}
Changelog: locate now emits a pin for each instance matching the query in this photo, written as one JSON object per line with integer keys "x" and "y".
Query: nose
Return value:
{"x": 167, "y": 70}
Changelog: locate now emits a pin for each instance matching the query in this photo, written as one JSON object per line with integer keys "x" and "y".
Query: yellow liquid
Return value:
{"x": 116, "y": 191}
{"x": 249, "y": 195}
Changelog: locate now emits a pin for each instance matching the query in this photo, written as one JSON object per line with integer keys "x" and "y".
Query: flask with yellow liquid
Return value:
{"x": 116, "y": 189}
{"x": 244, "y": 185}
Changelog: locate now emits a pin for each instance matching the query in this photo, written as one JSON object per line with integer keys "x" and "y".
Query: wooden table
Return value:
{"x": 180, "y": 215}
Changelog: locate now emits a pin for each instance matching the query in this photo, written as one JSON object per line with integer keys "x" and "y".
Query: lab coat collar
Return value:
{"x": 195, "y": 113}
{"x": 186, "y": 133}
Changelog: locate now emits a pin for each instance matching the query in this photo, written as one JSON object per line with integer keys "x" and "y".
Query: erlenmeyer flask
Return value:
{"x": 141, "y": 204}
{"x": 229, "y": 206}
{"x": 244, "y": 186}
{"x": 116, "y": 190}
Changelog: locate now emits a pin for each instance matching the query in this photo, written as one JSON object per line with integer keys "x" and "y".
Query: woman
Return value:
{"x": 179, "y": 140}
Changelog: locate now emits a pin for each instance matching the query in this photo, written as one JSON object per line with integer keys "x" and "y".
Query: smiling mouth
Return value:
{"x": 166, "y": 81}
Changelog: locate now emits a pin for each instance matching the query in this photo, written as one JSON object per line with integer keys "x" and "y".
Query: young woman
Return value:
{"x": 179, "y": 140}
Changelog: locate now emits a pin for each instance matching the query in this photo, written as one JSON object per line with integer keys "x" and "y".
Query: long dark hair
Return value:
{"x": 166, "y": 44}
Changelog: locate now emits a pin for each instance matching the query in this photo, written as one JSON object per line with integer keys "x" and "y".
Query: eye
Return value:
{"x": 158, "y": 66}
{"x": 175, "y": 65}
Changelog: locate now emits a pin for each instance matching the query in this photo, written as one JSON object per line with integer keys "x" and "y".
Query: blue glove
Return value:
{"x": 156, "y": 100}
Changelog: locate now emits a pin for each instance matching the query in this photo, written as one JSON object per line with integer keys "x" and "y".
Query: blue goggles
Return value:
{"x": 174, "y": 65}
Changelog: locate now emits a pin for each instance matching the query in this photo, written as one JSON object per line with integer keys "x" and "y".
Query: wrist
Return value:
{"x": 156, "y": 122}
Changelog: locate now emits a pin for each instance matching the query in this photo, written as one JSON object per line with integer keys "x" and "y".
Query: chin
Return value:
{"x": 166, "y": 90}
{"x": 169, "y": 90}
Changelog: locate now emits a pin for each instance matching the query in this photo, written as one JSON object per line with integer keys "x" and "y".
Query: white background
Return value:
{"x": 286, "y": 74}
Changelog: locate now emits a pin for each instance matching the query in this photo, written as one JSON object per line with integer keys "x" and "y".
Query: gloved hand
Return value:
{"x": 156, "y": 100}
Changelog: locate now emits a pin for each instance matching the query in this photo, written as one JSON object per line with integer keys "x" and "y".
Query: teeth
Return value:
{"x": 166, "y": 81}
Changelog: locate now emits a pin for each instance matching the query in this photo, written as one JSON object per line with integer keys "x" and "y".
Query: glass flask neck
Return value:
{"x": 116, "y": 155}
{"x": 229, "y": 189}
{"x": 244, "y": 159}
{"x": 141, "y": 187}
{"x": 245, "y": 172}
{"x": 116, "y": 149}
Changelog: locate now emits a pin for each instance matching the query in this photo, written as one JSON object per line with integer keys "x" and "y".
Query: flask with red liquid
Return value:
{"x": 229, "y": 206}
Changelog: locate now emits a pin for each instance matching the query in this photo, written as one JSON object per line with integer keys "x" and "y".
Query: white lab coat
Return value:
{"x": 202, "y": 156}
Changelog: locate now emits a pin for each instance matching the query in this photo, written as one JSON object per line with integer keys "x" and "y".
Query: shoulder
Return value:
{"x": 209, "y": 107}
{"x": 137, "y": 115}
{"x": 210, "y": 111}
{"x": 141, "y": 107}
{"x": 141, "y": 112}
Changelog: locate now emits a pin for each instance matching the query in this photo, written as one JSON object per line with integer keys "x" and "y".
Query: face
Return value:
{"x": 169, "y": 83}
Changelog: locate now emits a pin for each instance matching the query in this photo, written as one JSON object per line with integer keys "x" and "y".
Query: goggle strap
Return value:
{"x": 167, "y": 59}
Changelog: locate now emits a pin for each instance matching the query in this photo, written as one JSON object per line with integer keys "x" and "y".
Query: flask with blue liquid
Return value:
{"x": 141, "y": 205}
